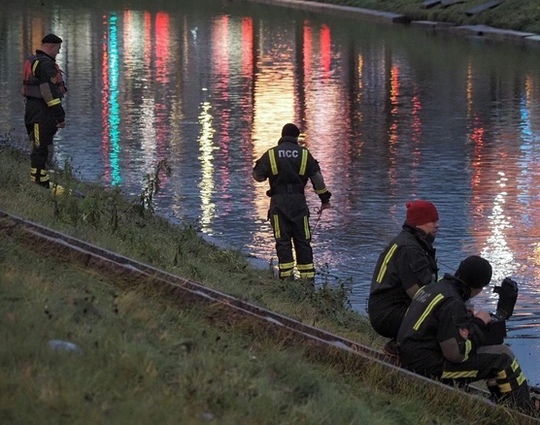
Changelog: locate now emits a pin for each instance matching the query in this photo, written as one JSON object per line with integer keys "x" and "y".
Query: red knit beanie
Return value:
{"x": 420, "y": 212}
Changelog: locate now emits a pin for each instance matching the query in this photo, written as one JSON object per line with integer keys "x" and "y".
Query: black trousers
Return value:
{"x": 498, "y": 366}
{"x": 41, "y": 128}
{"x": 494, "y": 364}
{"x": 386, "y": 314}
{"x": 289, "y": 217}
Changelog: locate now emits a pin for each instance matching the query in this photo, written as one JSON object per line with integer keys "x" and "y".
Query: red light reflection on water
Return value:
{"x": 326, "y": 50}
{"x": 162, "y": 69}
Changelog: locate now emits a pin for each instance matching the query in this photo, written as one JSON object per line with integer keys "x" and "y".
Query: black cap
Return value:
{"x": 474, "y": 271}
{"x": 290, "y": 130}
{"x": 51, "y": 39}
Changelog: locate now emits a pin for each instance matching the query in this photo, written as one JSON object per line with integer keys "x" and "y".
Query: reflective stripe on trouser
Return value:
{"x": 286, "y": 233}
{"x": 511, "y": 378}
{"x": 39, "y": 176}
{"x": 510, "y": 386}
{"x": 286, "y": 269}
{"x": 498, "y": 366}
{"x": 41, "y": 135}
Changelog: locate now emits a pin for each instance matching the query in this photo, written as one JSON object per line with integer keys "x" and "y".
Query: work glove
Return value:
{"x": 325, "y": 197}
{"x": 508, "y": 292}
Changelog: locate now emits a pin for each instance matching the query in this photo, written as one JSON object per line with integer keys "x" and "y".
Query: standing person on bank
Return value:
{"x": 43, "y": 89}
{"x": 288, "y": 166}
{"x": 405, "y": 265}
{"x": 439, "y": 338}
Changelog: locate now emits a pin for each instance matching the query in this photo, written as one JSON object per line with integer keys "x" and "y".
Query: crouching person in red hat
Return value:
{"x": 439, "y": 338}
{"x": 405, "y": 265}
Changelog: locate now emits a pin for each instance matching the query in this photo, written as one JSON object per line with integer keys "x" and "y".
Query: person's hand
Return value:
{"x": 484, "y": 316}
{"x": 508, "y": 293}
{"x": 61, "y": 124}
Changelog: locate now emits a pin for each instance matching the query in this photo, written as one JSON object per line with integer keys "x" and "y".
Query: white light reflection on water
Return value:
{"x": 206, "y": 157}
{"x": 496, "y": 248}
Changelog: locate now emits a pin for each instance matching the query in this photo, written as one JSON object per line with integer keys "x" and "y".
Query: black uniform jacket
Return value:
{"x": 438, "y": 328}
{"x": 288, "y": 167}
{"x": 408, "y": 260}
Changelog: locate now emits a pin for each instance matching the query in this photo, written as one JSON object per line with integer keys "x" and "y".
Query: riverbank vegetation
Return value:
{"x": 519, "y": 15}
{"x": 139, "y": 358}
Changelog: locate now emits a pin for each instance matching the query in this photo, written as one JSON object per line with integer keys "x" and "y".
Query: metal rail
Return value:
{"x": 186, "y": 292}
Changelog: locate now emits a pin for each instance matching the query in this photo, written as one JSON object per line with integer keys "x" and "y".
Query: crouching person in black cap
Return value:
{"x": 439, "y": 338}
{"x": 288, "y": 167}
{"x": 43, "y": 89}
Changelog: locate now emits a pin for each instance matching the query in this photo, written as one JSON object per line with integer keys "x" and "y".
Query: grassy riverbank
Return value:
{"x": 519, "y": 15}
{"x": 144, "y": 360}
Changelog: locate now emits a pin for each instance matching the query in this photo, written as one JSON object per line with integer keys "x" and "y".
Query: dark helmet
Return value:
{"x": 290, "y": 130}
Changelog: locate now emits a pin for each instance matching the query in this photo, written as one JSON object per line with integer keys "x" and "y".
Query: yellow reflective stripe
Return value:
{"x": 428, "y": 310}
{"x": 301, "y": 267}
{"x": 43, "y": 172}
{"x": 321, "y": 191}
{"x": 273, "y": 162}
{"x": 502, "y": 374}
{"x": 277, "y": 231}
{"x": 303, "y": 164}
{"x": 283, "y": 266}
{"x": 36, "y": 135}
{"x": 53, "y": 102}
{"x": 306, "y": 228}
{"x": 286, "y": 273}
{"x": 307, "y": 275}
{"x": 43, "y": 176}
{"x": 521, "y": 378}
{"x": 34, "y": 66}
{"x": 514, "y": 365}
{"x": 468, "y": 348}
{"x": 505, "y": 388}
{"x": 385, "y": 262}
{"x": 460, "y": 374}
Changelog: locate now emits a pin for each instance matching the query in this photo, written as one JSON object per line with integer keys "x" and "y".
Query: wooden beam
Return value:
{"x": 488, "y": 5}
{"x": 428, "y": 4}
{"x": 446, "y": 3}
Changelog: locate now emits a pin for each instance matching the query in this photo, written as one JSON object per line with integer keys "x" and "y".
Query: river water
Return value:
{"x": 391, "y": 113}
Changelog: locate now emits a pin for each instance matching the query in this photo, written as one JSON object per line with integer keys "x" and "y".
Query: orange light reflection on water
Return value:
{"x": 393, "y": 129}
{"x": 273, "y": 102}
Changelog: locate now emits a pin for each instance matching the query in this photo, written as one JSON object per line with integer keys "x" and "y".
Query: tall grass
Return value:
{"x": 127, "y": 226}
{"x": 145, "y": 360}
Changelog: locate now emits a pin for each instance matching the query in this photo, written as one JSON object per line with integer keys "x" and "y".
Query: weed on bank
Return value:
{"x": 106, "y": 218}
{"x": 139, "y": 358}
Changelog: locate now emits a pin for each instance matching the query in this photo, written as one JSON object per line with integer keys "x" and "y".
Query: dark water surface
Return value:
{"x": 392, "y": 114}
